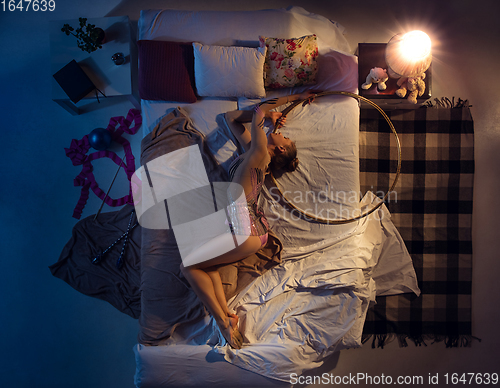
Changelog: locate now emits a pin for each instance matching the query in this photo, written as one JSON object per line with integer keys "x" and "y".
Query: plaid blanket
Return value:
{"x": 432, "y": 208}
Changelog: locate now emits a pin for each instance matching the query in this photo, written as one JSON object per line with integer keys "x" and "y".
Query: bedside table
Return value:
{"x": 113, "y": 80}
{"x": 372, "y": 55}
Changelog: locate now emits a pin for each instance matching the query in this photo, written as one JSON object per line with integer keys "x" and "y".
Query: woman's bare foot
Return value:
{"x": 231, "y": 315}
{"x": 231, "y": 332}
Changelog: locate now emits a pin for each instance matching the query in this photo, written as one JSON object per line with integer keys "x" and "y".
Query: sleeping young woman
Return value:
{"x": 262, "y": 154}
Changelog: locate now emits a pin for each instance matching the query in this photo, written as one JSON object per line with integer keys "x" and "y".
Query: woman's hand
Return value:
{"x": 307, "y": 95}
{"x": 276, "y": 118}
{"x": 280, "y": 122}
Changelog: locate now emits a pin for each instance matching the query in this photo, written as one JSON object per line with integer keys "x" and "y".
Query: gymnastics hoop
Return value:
{"x": 344, "y": 221}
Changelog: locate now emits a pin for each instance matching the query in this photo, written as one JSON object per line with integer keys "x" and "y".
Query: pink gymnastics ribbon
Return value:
{"x": 79, "y": 148}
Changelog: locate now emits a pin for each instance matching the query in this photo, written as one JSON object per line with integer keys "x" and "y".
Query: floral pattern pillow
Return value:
{"x": 290, "y": 62}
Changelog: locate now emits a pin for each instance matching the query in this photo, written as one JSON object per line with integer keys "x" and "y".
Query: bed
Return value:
{"x": 306, "y": 297}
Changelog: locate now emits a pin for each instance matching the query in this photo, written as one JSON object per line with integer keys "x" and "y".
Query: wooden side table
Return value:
{"x": 113, "y": 80}
{"x": 372, "y": 55}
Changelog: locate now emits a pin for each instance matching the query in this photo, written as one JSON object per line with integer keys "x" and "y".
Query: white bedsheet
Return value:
{"x": 326, "y": 183}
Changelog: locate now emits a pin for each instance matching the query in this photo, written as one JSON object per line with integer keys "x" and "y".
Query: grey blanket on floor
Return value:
{"x": 119, "y": 287}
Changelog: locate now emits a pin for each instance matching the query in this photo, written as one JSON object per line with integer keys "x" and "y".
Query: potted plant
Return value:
{"x": 90, "y": 37}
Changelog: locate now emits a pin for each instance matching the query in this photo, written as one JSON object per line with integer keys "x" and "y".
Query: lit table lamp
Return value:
{"x": 405, "y": 55}
{"x": 408, "y": 55}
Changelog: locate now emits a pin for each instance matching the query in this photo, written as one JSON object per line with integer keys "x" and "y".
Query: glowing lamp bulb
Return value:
{"x": 408, "y": 55}
{"x": 415, "y": 45}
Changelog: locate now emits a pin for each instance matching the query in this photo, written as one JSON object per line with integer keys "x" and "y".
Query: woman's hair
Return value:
{"x": 286, "y": 161}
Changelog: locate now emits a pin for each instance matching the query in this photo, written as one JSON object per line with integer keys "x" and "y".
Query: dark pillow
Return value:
{"x": 166, "y": 71}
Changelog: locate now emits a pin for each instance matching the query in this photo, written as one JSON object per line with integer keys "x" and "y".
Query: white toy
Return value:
{"x": 378, "y": 76}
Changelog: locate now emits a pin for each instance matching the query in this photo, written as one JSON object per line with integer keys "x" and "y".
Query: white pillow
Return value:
{"x": 221, "y": 71}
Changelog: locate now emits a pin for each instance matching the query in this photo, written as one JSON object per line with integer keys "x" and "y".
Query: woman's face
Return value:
{"x": 277, "y": 139}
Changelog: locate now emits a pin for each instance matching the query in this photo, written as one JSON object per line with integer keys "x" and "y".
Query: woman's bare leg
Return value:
{"x": 204, "y": 288}
{"x": 221, "y": 297}
{"x": 208, "y": 287}
{"x": 219, "y": 289}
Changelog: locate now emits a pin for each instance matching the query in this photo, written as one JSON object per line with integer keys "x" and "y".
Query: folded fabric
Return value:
{"x": 119, "y": 287}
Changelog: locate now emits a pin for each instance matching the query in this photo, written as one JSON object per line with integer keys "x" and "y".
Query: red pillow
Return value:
{"x": 166, "y": 71}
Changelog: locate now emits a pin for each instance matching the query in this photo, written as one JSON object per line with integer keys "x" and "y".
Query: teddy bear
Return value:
{"x": 377, "y": 75}
{"x": 414, "y": 85}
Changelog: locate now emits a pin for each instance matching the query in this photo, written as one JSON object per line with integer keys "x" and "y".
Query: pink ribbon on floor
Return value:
{"x": 77, "y": 152}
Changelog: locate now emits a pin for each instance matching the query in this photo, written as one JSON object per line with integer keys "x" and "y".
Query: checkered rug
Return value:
{"x": 432, "y": 209}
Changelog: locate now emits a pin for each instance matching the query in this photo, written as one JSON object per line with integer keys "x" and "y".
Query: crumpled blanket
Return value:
{"x": 119, "y": 287}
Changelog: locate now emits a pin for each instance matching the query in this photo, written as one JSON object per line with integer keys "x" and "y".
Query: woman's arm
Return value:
{"x": 235, "y": 120}
{"x": 275, "y": 102}
{"x": 259, "y": 138}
